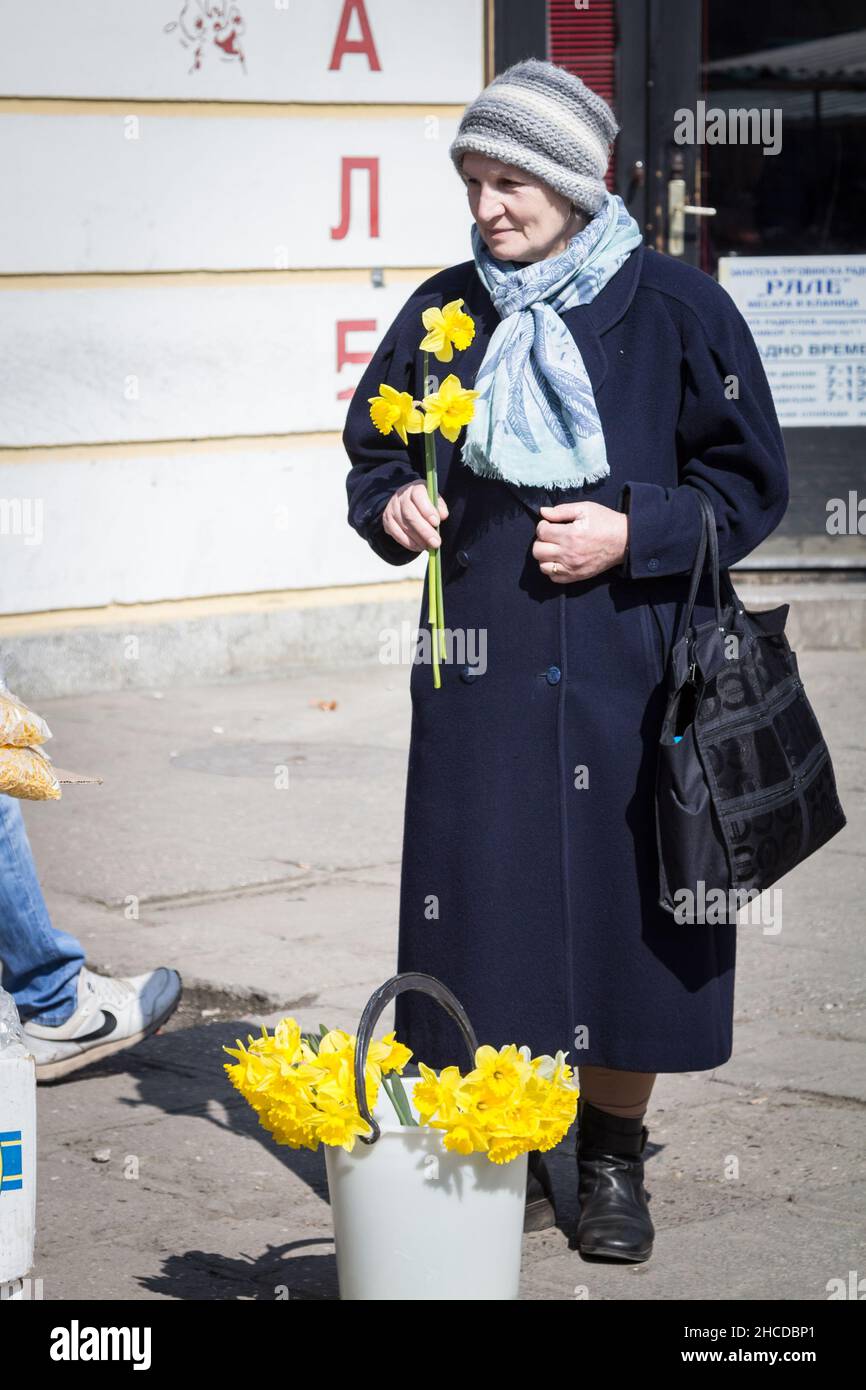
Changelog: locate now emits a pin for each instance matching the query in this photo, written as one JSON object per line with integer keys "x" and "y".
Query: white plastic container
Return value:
{"x": 17, "y": 1168}
{"x": 413, "y": 1221}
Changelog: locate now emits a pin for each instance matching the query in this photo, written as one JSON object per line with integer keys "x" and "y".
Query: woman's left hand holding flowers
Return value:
{"x": 581, "y": 538}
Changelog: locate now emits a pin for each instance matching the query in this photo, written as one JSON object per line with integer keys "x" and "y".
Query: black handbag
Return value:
{"x": 744, "y": 785}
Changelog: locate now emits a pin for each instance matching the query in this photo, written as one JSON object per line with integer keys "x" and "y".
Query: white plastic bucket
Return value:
{"x": 17, "y": 1167}
{"x": 413, "y": 1221}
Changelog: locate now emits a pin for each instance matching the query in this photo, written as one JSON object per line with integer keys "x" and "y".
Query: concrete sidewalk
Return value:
{"x": 155, "y": 1180}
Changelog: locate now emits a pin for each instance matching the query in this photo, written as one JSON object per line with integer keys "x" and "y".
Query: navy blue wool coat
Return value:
{"x": 534, "y": 897}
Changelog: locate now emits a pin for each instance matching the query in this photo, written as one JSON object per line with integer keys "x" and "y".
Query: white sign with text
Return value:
{"x": 807, "y": 315}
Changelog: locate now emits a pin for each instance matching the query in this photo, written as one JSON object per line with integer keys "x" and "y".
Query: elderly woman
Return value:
{"x": 613, "y": 384}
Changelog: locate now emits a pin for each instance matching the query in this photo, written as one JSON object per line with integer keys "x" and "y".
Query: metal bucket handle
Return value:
{"x": 379, "y": 999}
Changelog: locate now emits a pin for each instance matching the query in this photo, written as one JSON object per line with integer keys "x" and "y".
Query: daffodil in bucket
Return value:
{"x": 447, "y": 409}
{"x": 426, "y": 1174}
{"x": 302, "y": 1087}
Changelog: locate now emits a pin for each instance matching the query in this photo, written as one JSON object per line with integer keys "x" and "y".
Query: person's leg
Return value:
{"x": 624, "y": 1093}
{"x": 71, "y": 1016}
{"x": 40, "y": 965}
{"x": 614, "y": 1219}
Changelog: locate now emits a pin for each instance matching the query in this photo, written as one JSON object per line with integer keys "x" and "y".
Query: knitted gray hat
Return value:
{"x": 546, "y": 120}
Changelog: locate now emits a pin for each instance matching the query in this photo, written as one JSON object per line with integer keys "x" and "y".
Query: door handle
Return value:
{"x": 679, "y": 208}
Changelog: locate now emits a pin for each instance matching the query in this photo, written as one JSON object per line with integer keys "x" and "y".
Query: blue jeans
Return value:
{"x": 40, "y": 965}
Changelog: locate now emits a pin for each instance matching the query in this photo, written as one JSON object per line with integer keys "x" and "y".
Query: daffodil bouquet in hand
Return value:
{"x": 302, "y": 1087}
{"x": 447, "y": 410}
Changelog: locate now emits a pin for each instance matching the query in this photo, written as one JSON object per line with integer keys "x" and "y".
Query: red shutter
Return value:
{"x": 584, "y": 42}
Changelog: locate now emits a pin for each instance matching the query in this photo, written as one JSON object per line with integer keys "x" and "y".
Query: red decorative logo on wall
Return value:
{"x": 209, "y": 27}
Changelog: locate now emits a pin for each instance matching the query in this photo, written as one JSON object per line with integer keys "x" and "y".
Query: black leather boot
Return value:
{"x": 614, "y": 1219}
{"x": 540, "y": 1213}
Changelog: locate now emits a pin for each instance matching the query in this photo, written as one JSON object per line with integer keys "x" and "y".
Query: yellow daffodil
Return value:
{"x": 388, "y": 1054}
{"x": 336, "y": 1040}
{"x": 303, "y": 1090}
{"x": 500, "y": 1071}
{"x": 287, "y": 1038}
{"x": 395, "y": 410}
{"x": 434, "y": 1094}
{"x": 339, "y": 1122}
{"x": 448, "y": 328}
{"x": 449, "y": 408}
{"x": 463, "y": 1136}
{"x": 552, "y": 1068}
{"x": 503, "y": 1150}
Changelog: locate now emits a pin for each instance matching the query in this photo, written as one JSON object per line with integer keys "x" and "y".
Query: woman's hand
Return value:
{"x": 581, "y": 538}
{"x": 411, "y": 518}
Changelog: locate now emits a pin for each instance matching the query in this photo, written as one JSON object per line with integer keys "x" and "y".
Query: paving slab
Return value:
{"x": 274, "y": 900}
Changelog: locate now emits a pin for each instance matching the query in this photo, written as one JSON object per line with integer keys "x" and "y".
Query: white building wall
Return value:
{"x": 178, "y": 268}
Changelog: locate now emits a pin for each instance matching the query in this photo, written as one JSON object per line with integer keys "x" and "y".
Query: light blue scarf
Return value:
{"x": 536, "y": 421}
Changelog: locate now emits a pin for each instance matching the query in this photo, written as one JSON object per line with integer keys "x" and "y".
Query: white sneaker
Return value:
{"x": 111, "y": 1014}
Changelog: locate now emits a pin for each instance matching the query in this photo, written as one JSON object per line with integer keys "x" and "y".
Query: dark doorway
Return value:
{"x": 779, "y": 174}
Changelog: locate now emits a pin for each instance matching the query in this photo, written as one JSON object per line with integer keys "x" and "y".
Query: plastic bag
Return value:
{"x": 20, "y": 726}
{"x": 12, "y": 1042}
{"x": 28, "y": 773}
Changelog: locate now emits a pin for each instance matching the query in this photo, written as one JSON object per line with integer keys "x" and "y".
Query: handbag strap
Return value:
{"x": 409, "y": 979}
{"x": 708, "y": 533}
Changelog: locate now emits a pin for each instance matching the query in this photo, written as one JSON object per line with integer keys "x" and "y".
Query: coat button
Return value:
{"x": 553, "y": 675}
{"x": 652, "y": 564}
{"x": 463, "y": 558}
{"x": 469, "y": 673}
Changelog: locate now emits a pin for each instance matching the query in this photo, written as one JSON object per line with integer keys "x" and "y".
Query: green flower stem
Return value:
{"x": 390, "y": 1094}
{"x": 440, "y": 605}
{"x": 433, "y": 609}
{"x": 435, "y": 605}
{"x": 394, "y": 1089}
